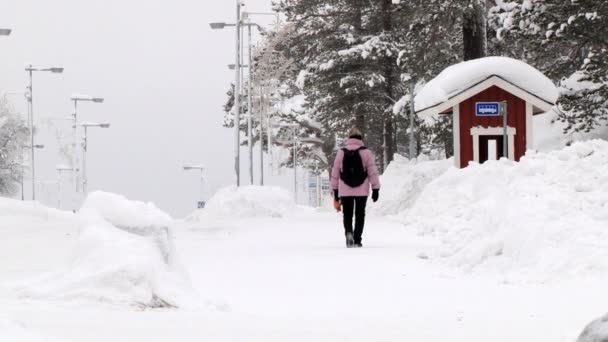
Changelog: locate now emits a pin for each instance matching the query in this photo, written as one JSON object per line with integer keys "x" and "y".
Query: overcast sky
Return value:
{"x": 163, "y": 73}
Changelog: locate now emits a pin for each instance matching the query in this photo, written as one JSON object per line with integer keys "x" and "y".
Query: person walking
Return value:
{"x": 353, "y": 173}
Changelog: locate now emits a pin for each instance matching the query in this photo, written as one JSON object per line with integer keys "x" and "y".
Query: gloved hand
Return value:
{"x": 375, "y": 195}
{"x": 336, "y": 198}
{"x": 338, "y": 205}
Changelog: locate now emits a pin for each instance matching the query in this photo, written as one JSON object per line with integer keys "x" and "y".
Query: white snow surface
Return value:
{"x": 122, "y": 212}
{"x": 248, "y": 201}
{"x": 542, "y": 218}
{"x": 123, "y": 255}
{"x": 272, "y": 279}
{"x": 530, "y": 237}
{"x": 11, "y": 331}
{"x": 461, "y": 76}
{"x": 404, "y": 180}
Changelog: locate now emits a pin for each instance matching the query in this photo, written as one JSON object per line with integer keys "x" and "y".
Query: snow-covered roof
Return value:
{"x": 463, "y": 76}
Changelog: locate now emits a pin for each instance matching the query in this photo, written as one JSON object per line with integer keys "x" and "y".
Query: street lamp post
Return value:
{"x": 201, "y": 201}
{"x": 76, "y": 99}
{"x": 86, "y": 125}
{"x": 30, "y": 69}
{"x": 237, "y": 86}
{"x": 237, "y": 83}
{"x": 23, "y": 168}
{"x": 60, "y": 169}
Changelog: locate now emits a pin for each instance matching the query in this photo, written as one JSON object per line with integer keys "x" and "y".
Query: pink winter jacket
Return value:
{"x": 369, "y": 164}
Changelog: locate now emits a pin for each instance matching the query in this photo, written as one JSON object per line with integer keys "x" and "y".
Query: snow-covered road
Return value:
{"x": 292, "y": 279}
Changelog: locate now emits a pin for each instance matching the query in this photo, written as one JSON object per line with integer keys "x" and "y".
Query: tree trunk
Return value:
{"x": 389, "y": 75}
{"x": 474, "y": 31}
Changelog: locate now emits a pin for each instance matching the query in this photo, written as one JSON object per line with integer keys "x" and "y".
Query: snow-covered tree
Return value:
{"x": 567, "y": 41}
{"x": 13, "y": 136}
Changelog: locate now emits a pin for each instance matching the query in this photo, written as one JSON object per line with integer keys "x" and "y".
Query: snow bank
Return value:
{"x": 549, "y": 133}
{"x": 121, "y": 212}
{"x": 404, "y": 180}
{"x": 15, "y": 332}
{"x": 461, "y": 76}
{"x": 14, "y": 208}
{"x": 124, "y": 256}
{"x": 546, "y": 215}
{"x": 250, "y": 201}
{"x": 596, "y": 331}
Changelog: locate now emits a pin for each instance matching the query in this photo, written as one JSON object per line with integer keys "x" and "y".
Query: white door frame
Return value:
{"x": 477, "y": 131}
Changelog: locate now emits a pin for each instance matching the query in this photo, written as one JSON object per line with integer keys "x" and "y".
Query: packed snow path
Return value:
{"x": 292, "y": 279}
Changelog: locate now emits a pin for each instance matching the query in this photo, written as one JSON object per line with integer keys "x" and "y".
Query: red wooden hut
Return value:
{"x": 471, "y": 91}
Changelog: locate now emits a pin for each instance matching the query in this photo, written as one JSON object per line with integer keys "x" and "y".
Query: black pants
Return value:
{"x": 356, "y": 205}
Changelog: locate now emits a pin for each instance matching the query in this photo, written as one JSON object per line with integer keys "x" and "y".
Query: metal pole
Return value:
{"x": 295, "y": 166}
{"x": 249, "y": 107}
{"x": 237, "y": 94}
{"x": 262, "y": 109}
{"x": 31, "y": 117}
{"x": 74, "y": 147}
{"x": 59, "y": 191}
{"x": 202, "y": 195}
{"x": 505, "y": 137}
{"x": 84, "y": 162}
{"x": 412, "y": 122}
{"x": 22, "y": 176}
{"x": 269, "y": 133}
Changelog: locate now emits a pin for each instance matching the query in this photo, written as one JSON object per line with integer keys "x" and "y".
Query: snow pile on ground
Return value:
{"x": 14, "y": 332}
{"x": 250, "y": 201}
{"x": 596, "y": 331}
{"x": 461, "y": 76}
{"x": 549, "y": 133}
{"x": 124, "y": 256}
{"x": 32, "y": 210}
{"x": 404, "y": 180}
{"x": 546, "y": 215}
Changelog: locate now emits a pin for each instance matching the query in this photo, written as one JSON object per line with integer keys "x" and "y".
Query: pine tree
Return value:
{"x": 13, "y": 137}
{"x": 567, "y": 41}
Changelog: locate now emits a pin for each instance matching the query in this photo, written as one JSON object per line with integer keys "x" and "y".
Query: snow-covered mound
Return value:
{"x": 124, "y": 256}
{"x": 122, "y": 212}
{"x": 33, "y": 210}
{"x": 596, "y": 331}
{"x": 250, "y": 201}
{"x": 546, "y": 214}
{"x": 461, "y": 76}
{"x": 549, "y": 133}
{"x": 404, "y": 180}
{"x": 15, "y": 332}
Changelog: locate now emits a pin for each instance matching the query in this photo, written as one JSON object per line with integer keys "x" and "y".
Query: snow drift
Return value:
{"x": 124, "y": 256}
{"x": 405, "y": 179}
{"x": 250, "y": 201}
{"x": 15, "y": 332}
{"x": 546, "y": 215}
{"x": 31, "y": 210}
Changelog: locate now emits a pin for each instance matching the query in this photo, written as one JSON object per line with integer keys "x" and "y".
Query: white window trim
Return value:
{"x": 477, "y": 131}
{"x": 529, "y": 126}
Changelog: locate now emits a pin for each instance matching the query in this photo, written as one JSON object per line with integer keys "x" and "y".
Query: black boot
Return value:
{"x": 350, "y": 241}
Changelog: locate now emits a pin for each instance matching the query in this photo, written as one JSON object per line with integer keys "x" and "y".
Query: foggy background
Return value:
{"x": 163, "y": 74}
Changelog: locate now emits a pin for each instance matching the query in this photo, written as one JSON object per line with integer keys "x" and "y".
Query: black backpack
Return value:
{"x": 353, "y": 173}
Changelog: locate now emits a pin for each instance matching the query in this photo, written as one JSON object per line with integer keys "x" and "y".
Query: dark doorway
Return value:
{"x": 490, "y": 147}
